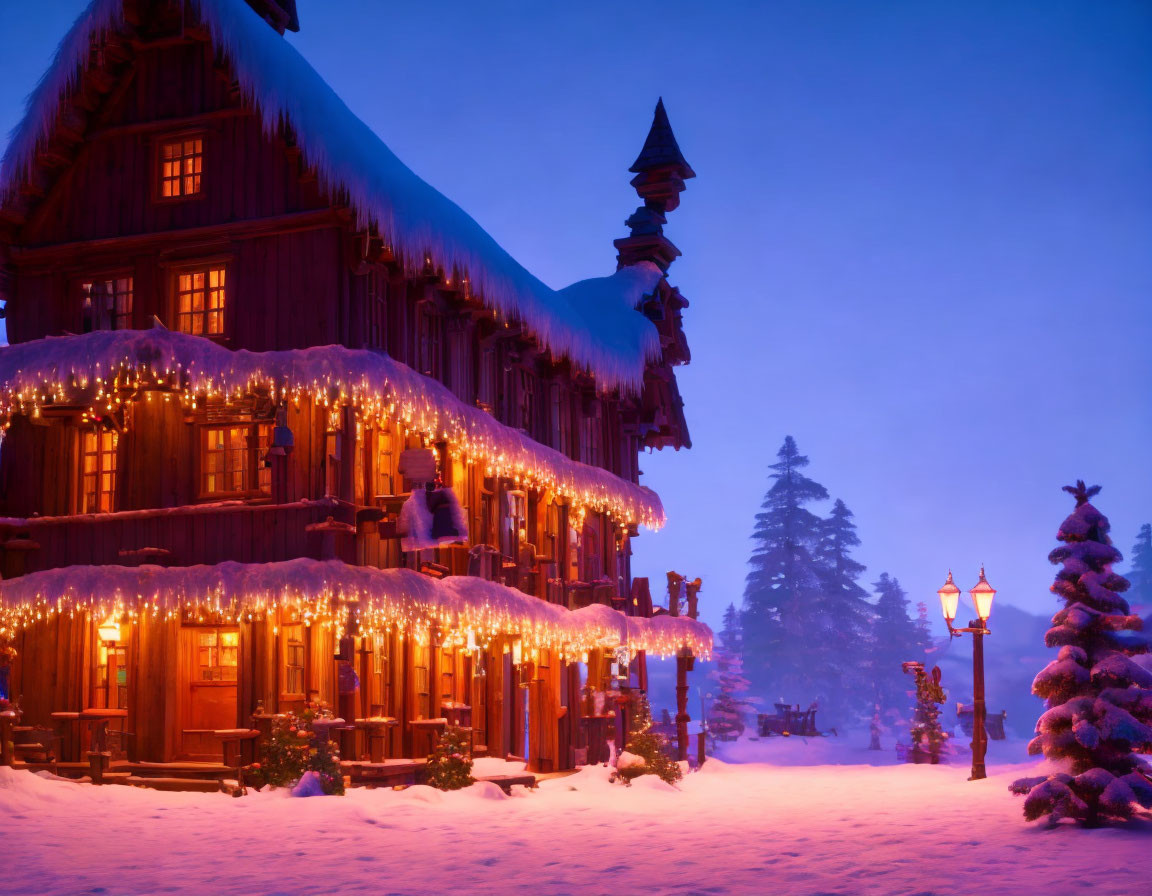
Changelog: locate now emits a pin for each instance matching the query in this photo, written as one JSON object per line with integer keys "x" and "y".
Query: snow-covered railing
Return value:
{"x": 99, "y": 367}
{"x": 594, "y": 322}
{"x": 347, "y": 598}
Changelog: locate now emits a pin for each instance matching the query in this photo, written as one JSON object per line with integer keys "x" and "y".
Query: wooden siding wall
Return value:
{"x": 174, "y": 90}
{"x": 246, "y": 534}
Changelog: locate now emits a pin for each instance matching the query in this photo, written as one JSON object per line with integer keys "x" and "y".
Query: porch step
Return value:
{"x": 183, "y": 785}
{"x": 184, "y": 770}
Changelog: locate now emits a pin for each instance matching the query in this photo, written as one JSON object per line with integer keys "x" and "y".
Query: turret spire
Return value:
{"x": 660, "y": 171}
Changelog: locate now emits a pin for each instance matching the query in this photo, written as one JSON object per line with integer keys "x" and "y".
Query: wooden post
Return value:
{"x": 7, "y": 751}
{"x": 348, "y": 454}
{"x": 682, "y": 660}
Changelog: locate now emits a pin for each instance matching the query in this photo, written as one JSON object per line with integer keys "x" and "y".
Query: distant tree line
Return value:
{"x": 811, "y": 632}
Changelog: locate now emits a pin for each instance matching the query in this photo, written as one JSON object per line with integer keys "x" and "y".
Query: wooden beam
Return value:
{"x": 250, "y": 228}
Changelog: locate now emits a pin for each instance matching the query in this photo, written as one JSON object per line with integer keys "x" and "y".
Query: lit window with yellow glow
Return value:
{"x": 99, "y": 470}
{"x": 181, "y": 164}
{"x": 200, "y": 302}
{"x": 231, "y": 459}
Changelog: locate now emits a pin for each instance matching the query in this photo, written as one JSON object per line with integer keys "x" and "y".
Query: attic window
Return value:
{"x": 181, "y": 163}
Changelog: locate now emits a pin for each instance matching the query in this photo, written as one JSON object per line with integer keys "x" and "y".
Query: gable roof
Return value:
{"x": 594, "y": 323}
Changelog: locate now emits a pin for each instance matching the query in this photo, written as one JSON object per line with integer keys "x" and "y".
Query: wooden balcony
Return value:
{"x": 173, "y": 536}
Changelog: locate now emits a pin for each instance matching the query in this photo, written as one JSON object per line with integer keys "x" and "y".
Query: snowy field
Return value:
{"x": 781, "y": 817}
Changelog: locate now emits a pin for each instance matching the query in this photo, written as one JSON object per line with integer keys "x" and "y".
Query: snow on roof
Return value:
{"x": 59, "y": 367}
{"x": 593, "y": 322}
{"x": 334, "y": 593}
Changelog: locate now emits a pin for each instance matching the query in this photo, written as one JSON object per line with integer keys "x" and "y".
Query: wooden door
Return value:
{"x": 210, "y": 662}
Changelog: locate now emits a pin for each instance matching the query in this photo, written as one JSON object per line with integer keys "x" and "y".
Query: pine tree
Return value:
{"x": 731, "y": 704}
{"x": 1099, "y": 701}
{"x": 844, "y": 618}
{"x": 783, "y": 588}
{"x": 895, "y": 639}
{"x": 1140, "y": 575}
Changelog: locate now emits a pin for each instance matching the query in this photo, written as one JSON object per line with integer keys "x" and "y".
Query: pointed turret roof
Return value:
{"x": 661, "y": 149}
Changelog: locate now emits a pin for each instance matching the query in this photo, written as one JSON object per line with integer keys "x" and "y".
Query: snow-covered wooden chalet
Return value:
{"x": 283, "y": 422}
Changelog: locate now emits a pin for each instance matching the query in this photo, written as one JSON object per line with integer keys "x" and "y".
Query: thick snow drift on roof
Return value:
{"x": 594, "y": 322}
{"x": 333, "y": 592}
{"x": 63, "y": 366}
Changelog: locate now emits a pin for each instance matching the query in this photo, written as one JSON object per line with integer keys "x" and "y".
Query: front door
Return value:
{"x": 210, "y": 662}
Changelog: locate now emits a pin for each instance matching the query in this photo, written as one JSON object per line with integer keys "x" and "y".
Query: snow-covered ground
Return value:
{"x": 772, "y": 823}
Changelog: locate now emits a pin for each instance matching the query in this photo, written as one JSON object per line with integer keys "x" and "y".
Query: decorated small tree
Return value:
{"x": 1099, "y": 701}
{"x": 646, "y": 752}
{"x": 730, "y": 704}
{"x": 928, "y": 737}
{"x": 292, "y": 749}
{"x": 450, "y": 764}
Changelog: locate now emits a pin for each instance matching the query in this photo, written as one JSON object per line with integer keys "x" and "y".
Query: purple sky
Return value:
{"x": 918, "y": 242}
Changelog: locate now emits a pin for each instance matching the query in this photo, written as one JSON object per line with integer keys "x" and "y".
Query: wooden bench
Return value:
{"x": 182, "y": 785}
{"x": 388, "y": 773}
{"x": 506, "y": 782}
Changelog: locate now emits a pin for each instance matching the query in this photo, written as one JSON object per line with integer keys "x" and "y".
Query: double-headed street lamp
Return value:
{"x": 982, "y": 594}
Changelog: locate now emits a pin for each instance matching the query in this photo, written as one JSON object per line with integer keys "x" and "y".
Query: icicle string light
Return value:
{"x": 347, "y": 599}
{"x": 104, "y": 371}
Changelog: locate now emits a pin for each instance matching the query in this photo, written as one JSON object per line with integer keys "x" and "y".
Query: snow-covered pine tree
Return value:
{"x": 1099, "y": 700}
{"x": 895, "y": 639}
{"x": 783, "y": 588}
{"x": 731, "y": 704}
{"x": 844, "y": 616}
{"x": 1140, "y": 575}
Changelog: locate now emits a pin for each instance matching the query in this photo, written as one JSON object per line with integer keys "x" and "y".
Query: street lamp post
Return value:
{"x": 981, "y": 594}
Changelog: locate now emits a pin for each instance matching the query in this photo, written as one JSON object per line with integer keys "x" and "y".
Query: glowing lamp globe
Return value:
{"x": 949, "y": 598}
{"x": 982, "y": 594}
{"x": 109, "y": 631}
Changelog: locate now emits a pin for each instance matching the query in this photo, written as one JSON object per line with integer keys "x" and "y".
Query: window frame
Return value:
{"x": 158, "y": 177}
{"x": 120, "y": 320}
{"x": 206, "y": 267}
{"x": 257, "y": 478}
{"x": 101, "y": 453}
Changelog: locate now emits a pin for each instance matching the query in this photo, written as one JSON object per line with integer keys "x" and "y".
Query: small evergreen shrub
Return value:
{"x": 644, "y": 743}
{"x": 450, "y": 764}
{"x": 293, "y": 749}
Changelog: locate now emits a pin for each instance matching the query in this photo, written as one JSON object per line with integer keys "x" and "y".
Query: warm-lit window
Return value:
{"x": 294, "y": 664}
{"x": 111, "y": 684}
{"x": 231, "y": 459}
{"x": 181, "y": 164}
{"x": 385, "y": 462}
{"x": 107, "y": 304}
{"x": 200, "y": 302}
{"x": 99, "y": 470}
{"x": 217, "y": 655}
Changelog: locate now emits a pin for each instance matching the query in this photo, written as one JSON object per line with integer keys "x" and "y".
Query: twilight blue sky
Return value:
{"x": 918, "y": 242}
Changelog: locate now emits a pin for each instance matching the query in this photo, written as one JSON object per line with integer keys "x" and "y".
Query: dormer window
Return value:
{"x": 107, "y": 304}
{"x": 181, "y": 165}
{"x": 200, "y": 301}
